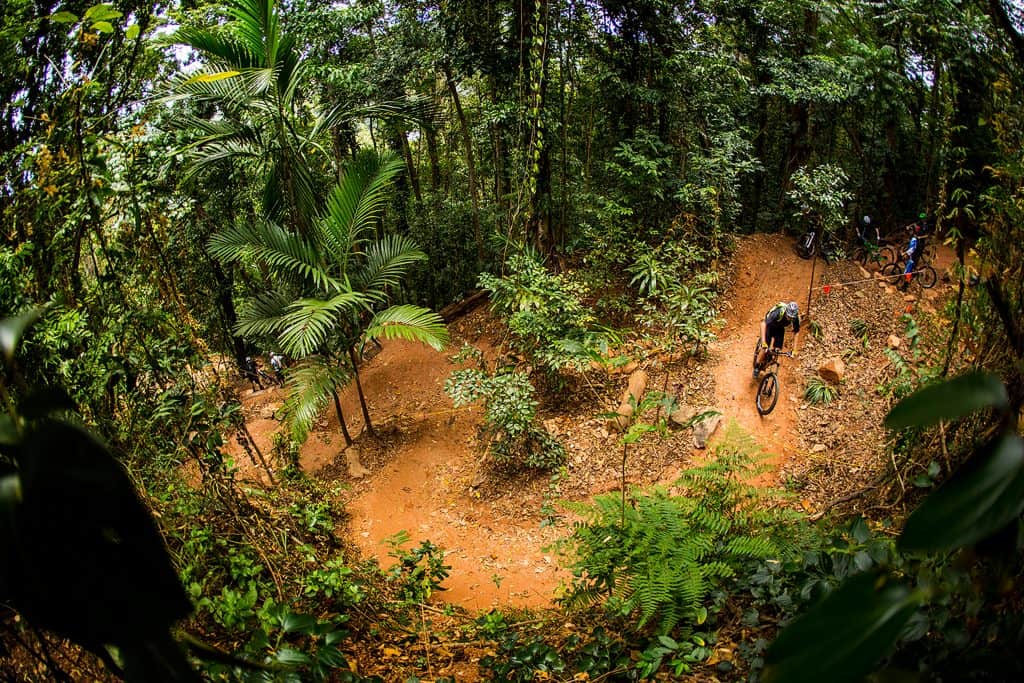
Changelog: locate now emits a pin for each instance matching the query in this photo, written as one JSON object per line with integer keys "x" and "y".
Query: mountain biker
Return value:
{"x": 252, "y": 373}
{"x": 277, "y": 363}
{"x": 773, "y": 330}
{"x": 914, "y": 249}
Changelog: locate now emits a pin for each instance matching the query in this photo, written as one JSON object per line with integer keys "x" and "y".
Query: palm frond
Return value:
{"x": 386, "y": 262}
{"x": 310, "y": 323}
{"x": 216, "y": 47}
{"x": 309, "y": 387}
{"x": 262, "y": 315}
{"x": 358, "y": 199}
{"x": 256, "y": 26}
{"x": 270, "y": 244}
{"x": 412, "y": 323}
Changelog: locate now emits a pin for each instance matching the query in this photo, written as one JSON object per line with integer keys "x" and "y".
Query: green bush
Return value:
{"x": 546, "y": 314}
{"x": 661, "y": 556}
{"x": 820, "y": 392}
{"x": 510, "y": 426}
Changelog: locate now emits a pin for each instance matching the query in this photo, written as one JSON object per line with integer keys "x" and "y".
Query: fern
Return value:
{"x": 660, "y": 564}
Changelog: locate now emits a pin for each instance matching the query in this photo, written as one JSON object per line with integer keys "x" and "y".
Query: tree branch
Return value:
{"x": 1002, "y": 19}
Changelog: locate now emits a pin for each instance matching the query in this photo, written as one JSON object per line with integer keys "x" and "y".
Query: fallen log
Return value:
{"x": 461, "y": 308}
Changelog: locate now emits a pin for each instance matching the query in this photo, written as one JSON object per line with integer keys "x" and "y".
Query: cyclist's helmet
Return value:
{"x": 792, "y": 310}
{"x": 866, "y": 220}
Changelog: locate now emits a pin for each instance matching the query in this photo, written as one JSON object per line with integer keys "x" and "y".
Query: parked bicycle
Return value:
{"x": 813, "y": 242}
{"x": 768, "y": 388}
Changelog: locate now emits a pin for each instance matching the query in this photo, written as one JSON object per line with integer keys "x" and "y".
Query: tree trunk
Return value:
{"x": 470, "y": 163}
{"x": 359, "y": 389}
{"x": 341, "y": 418}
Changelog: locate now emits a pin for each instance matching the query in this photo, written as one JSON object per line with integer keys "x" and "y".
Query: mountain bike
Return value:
{"x": 871, "y": 248}
{"x": 924, "y": 274}
{"x": 814, "y": 241}
{"x": 768, "y": 388}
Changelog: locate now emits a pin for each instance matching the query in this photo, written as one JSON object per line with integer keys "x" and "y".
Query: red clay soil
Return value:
{"x": 421, "y": 474}
{"x": 766, "y": 271}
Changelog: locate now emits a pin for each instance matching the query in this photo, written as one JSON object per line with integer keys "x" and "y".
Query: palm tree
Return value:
{"x": 256, "y": 82}
{"x": 330, "y": 288}
{"x": 253, "y": 76}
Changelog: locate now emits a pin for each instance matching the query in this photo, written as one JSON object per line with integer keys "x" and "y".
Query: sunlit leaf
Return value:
{"x": 132, "y": 32}
{"x": 289, "y": 656}
{"x": 212, "y": 77}
{"x": 64, "y": 17}
{"x": 970, "y": 507}
{"x": 103, "y": 27}
{"x": 302, "y": 623}
{"x": 102, "y": 12}
{"x": 842, "y": 637}
{"x": 12, "y": 329}
{"x": 948, "y": 401}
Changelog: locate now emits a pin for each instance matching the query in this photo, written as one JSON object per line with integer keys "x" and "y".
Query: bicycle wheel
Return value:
{"x": 767, "y": 394}
{"x": 806, "y": 245}
{"x": 860, "y": 255}
{"x": 885, "y": 255}
{"x": 890, "y": 271}
{"x": 927, "y": 277}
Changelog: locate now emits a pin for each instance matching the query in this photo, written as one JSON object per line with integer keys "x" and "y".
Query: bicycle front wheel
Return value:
{"x": 767, "y": 394}
{"x": 928, "y": 277}
{"x": 885, "y": 255}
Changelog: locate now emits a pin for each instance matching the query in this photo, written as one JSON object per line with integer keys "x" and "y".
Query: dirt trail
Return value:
{"x": 422, "y": 480}
{"x": 425, "y": 488}
{"x": 767, "y": 270}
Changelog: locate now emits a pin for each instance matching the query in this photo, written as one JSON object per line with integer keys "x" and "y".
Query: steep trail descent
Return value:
{"x": 766, "y": 271}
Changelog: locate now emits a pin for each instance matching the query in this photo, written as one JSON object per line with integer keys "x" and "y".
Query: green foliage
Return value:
{"x": 660, "y": 556}
{"x": 513, "y": 435}
{"x": 545, "y": 313}
{"x": 63, "y": 494}
{"x": 820, "y": 392}
{"x": 864, "y": 617}
{"x": 686, "y": 313}
{"x": 418, "y": 572}
{"x": 859, "y": 328}
{"x": 820, "y": 195}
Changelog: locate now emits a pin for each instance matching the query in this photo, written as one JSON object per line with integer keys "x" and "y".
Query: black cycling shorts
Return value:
{"x": 775, "y": 335}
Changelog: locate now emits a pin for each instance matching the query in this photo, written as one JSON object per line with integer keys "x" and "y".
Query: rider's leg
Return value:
{"x": 908, "y": 273}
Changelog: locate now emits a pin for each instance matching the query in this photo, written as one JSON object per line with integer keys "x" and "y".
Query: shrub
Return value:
{"x": 546, "y": 314}
{"x": 664, "y": 555}
{"x": 510, "y": 425}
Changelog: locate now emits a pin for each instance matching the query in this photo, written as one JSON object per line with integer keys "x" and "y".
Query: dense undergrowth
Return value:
{"x": 321, "y": 175}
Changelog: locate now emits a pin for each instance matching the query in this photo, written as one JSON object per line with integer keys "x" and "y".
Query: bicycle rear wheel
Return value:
{"x": 767, "y": 394}
{"x": 885, "y": 255}
{"x": 928, "y": 277}
{"x": 890, "y": 271}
